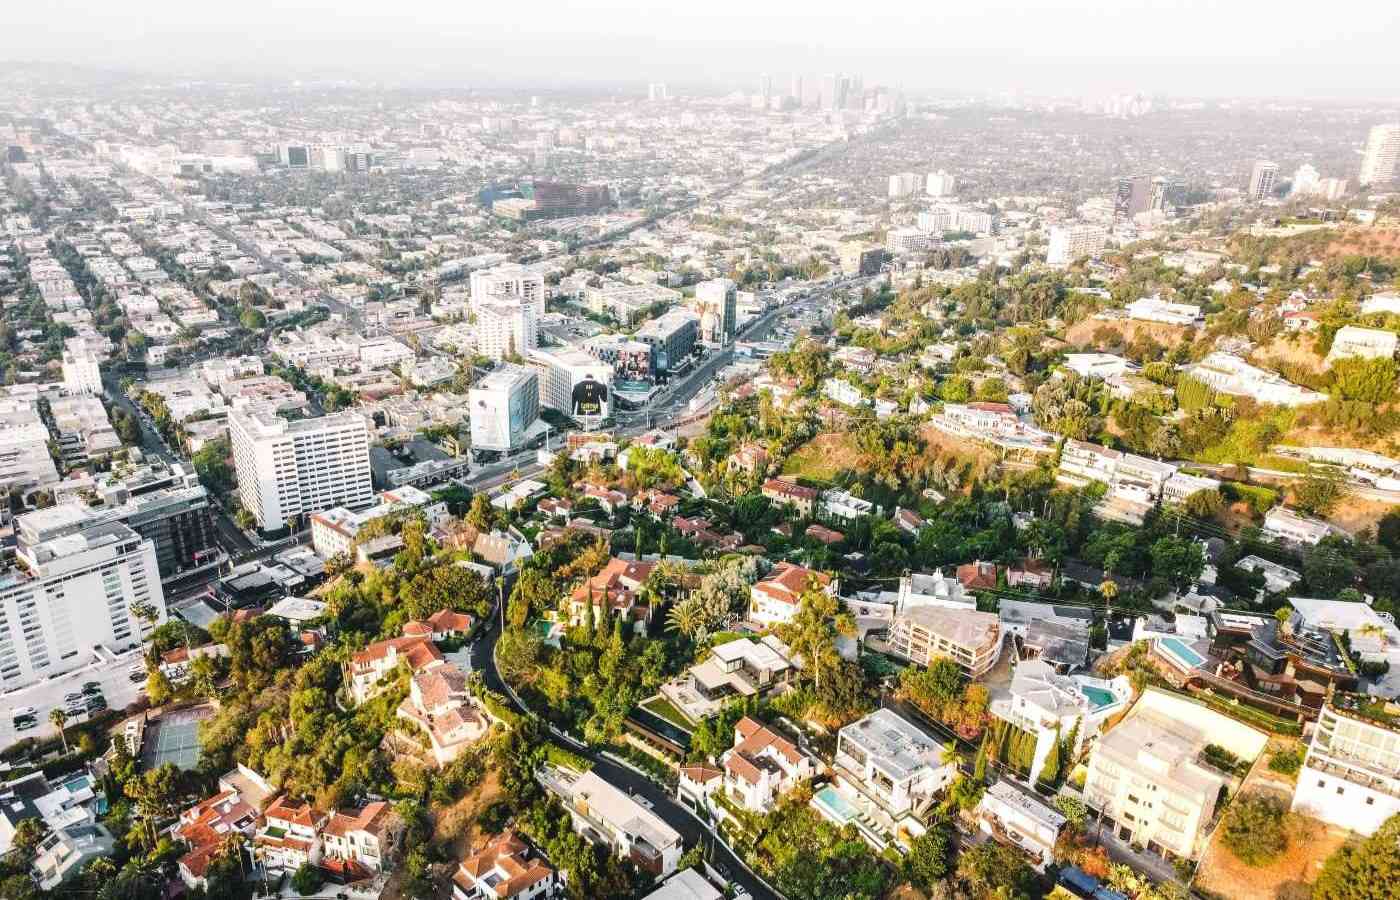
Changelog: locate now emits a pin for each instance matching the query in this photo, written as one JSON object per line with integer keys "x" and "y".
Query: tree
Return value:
{"x": 1253, "y": 829}
{"x": 1050, "y": 770}
{"x": 28, "y": 834}
{"x": 1320, "y": 493}
{"x": 158, "y": 686}
{"x": 1369, "y": 870}
{"x": 1178, "y": 560}
{"x": 929, "y": 859}
{"x": 59, "y": 718}
{"x": 252, "y": 319}
{"x": 307, "y": 879}
{"x": 993, "y": 869}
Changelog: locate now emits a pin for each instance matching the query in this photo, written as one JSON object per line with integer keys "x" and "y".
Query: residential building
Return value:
{"x": 205, "y": 826}
{"x": 842, "y": 391}
{"x": 970, "y": 638}
{"x": 762, "y": 765}
{"x": 439, "y": 703}
{"x": 1262, "y": 179}
{"x": 289, "y": 469}
{"x": 789, "y": 493}
{"x": 1146, "y": 779}
{"x": 843, "y": 505}
{"x": 1071, "y": 242}
{"x": 940, "y": 184}
{"x": 334, "y": 530}
{"x": 889, "y": 771}
{"x": 72, "y": 593}
{"x": 1229, "y": 374}
{"x": 289, "y": 836}
{"x": 1283, "y": 524}
{"x": 367, "y": 669}
{"x": 1011, "y": 814}
{"x": 1372, "y": 636}
{"x": 1048, "y": 706}
{"x": 503, "y": 406}
{"x": 82, "y": 374}
{"x": 1277, "y": 578}
{"x": 1355, "y": 342}
{"x": 1098, "y": 365}
{"x": 740, "y": 668}
{"x": 505, "y": 327}
{"x": 977, "y": 576}
{"x": 860, "y": 259}
{"x": 1380, "y": 162}
{"x": 902, "y": 241}
{"x": 505, "y": 868}
{"x": 1155, "y": 309}
{"x": 778, "y": 596}
{"x": 918, "y": 589}
{"x": 613, "y": 591}
{"x": 603, "y": 814}
{"x": 356, "y": 843}
{"x": 903, "y": 184}
{"x": 510, "y": 280}
{"x": 1182, "y": 485}
{"x": 1351, "y": 774}
{"x": 687, "y": 884}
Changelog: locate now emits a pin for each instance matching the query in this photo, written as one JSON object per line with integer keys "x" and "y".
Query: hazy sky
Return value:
{"x": 1344, "y": 48}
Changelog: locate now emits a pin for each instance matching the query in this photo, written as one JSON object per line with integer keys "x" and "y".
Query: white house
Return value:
{"x": 762, "y": 765}
{"x": 1098, "y": 365}
{"x": 1009, "y": 813}
{"x": 1283, "y": 524}
{"x": 1049, "y": 705}
{"x": 1155, "y": 309}
{"x": 778, "y": 596}
{"x": 606, "y": 815}
{"x": 1355, "y": 342}
{"x": 1351, "y": 774}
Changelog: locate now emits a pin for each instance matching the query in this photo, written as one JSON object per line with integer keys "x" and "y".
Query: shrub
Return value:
{"x": 307, "y": 880}
{"x": 1286, "y": 762}
{"x": 1253, "y": 829}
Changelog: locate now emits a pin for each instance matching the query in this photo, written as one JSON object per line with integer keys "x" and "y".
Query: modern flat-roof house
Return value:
{"x": 740, "y": 668}
{"x": 603, "y": 814}
{"x": 1355, "y": 342}
{"x": 1230, "y": 374}
{"x": 1146, "y": 779}
{"x": 1371, "y": 635}
{"x": 1283, "y": 524}
{"x": 778, "y": 596}
{"x": 888, "y": 772}
{"x": 1155, "y": 309}
{"x": 1351, "y": 775}
{"x": 970, "y": 638}
{"x": 1277, "y": 578}
{"x": 1011, "y": 814}
{"x": 1047, "y": 705}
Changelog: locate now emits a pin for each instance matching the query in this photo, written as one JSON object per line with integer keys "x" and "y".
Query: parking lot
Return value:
{"x": 111, "y": 674}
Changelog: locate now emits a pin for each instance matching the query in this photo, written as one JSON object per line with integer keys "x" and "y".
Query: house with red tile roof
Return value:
{"x": 447, "y": 624}
{"x": 978, "y": 576}
{"x": 505, "y": 868}
{"x": 290, "y": 835}
{"x": 613, "y": 591}
{"x": 1031, "y": 573}
{"x": 697, "y": 785}
{"x": 789, "y": 493}
{"x": 777, "y": 597}
{"x": 367, "y": 669}
{"x": 357, "y": 842}
{"x": 205, "y": 826}
{"x": 439, "y": 703}
{"x": 826, "y": 535}
{"x": 762, "y": 765}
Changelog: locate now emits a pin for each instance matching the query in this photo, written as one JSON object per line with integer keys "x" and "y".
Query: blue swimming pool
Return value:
{"x": 1181, "y": 652}
{"x": 838, "y": 808}
{"x": 1098, "y": 696}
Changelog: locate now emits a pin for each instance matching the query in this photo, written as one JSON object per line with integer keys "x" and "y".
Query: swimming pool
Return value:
{"x": 1098, "y": 696}
{"x": 1178, "y": 650}
{"x": 829, "y": 801}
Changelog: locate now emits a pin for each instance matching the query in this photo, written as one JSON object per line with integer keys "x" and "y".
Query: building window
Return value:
{"x": 1339, "y": 791}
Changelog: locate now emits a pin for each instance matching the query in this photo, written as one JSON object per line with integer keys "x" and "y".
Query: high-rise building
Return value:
{"x": 573, "y": 383}
{"x": 289, "y": 469}
{"x": 765, "y": 86}
{"x": 903, "y": 184}
{"x": 502, "y": 407}
{"x": 1168, "y": 194}
{"x": 1070, "y": 242}
{"x": 509, "y": 279}
{"x": 795, "y": 90}
{"x": 1305, "y": 181}
{"x": 656, "y": 91}
{"x": 505, "y": 326}
{"x": 940, "y": 184}
{"x": 1133, "y": 196}
{"x": 1262, "y": 179}
{"x": 830, "y": 94}
{"x": 718, "y": 303}
{"x": 1381, "y": 160}
{"x": 74, "y": 590}
{"x": 81, "y": 372}
{"x": 671, "y": 337}
{"x": 860, "y": 259}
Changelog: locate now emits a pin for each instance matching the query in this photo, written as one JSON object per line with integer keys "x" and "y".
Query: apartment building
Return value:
{"x": 73, "y": 592}
{"x": 1146, "y": 780}
{"x": 605, "y": 815}
{"x": 1381, "y": 160}
{"x": 509, "y": 280}
{"x": 762, "y": 765}
{"x": 778, "y": 596}
{"x": 970, "y": 638}
{"x": 1351, "y": 774}
{"x": 289, "y": 469}
{"x": 1047, "y": 705}
{"x": 1071, "y": 242}
{"x": 505, "y": 868}
{"x": 82, "y": 373}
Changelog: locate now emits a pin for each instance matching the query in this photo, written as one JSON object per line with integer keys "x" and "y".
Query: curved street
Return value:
{"x": 662, "y": 802}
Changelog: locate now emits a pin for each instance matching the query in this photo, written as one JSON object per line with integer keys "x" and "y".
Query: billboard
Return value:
{"x": 589, "y": 398}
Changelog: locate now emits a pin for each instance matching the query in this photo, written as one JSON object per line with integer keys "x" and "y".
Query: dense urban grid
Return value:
{"x": 820, "y": 491}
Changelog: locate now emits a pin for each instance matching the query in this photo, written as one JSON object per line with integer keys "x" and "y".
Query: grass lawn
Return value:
{"x": 822, "y": 457}
{"x": 660, "y": 706}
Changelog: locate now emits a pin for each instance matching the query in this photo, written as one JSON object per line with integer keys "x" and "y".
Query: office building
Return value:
{"x": 940, "y": 184}
{"x": 506, "y": 327}
{"x": 1262, "y": 179}
{"x": 1351, "y": 774}
{"x": 1071, "y": 242}
{"x": 860, "y": 259}
{"x": 1381, "y": 160}
{"x": 717, "y": 302}
{"x": 289, "y": 469}
{"x": 71, "y": 593}
{"x": 572, "y": 382}
{"x": 671, "y": 337}
{"x": 81, "y": 372}
{"x": 1132, "y": 196}
{"x": 903, "y": 241}
{"x": 503, "y": 405}
{"x": 1168, "y": 194}
{"x": 509, "y": 280}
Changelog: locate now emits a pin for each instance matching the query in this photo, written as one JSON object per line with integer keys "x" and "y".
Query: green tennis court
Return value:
{"x": 174, "y": 738}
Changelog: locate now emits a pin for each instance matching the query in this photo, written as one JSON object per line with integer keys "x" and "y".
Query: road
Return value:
{"x": 662, "y": 802}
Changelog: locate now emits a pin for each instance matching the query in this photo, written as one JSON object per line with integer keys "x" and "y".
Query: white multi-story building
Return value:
{"x": 778, "y": 597}
{"x": 505, "y": 326}
{"x": 1047, "y": 705}
{"x": 1146, "y": 780}
{"x": 503, "y": 405}
{"x": 1155, "y": 309}
{"x": 71, "y": 593}
{"x": 936, "y": 221}
{"x": 923, "y": 633}
{"x": 384, "y": 353}
{"x": 1071, "y": 242}
{"x": 1014, "y": 814}
{"x": 509, "y": 280}
{"x": 842, "y": 391}
{"x": 843, "y": 505}
{"x": 762, "y": 765}
{"x": 903, "y": 184}
{"x": 940, "y": 184}
{"x": 1355, "y": 342}
{"x": 907, "y": 240}
{"x": 1262, "y": 179}
{"x": 334, "y": 530}
{"x": 572, "y": 382}
{"x": 604, "y": 814}
{"x": 1098, "y": 365}
{"x": 82, "y": 373}
{"x": 288, "y": 469}
{"x": 1385, "y": 302}
{"x": 890, "y": 770}
{"x": 1351, "y": 775}
{"x": 1229, "y": 374}
{"x": 1381, "y": 160}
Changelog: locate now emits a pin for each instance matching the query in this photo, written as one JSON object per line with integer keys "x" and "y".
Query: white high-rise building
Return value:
{"x": 1070, "y": 242}
{"x": 656, "y": 91}
{"x": 506, "y": 325}
{"x": 288, "y": 469}
{"x": 510, "y": 280}
{"x": 1381, "y": 161}
{"x": 1305, "y": 180}
{"x": 940, "y": 184}
{"x": 502, "y": 406}
{"x": 74, "y": 592}
{"x": 903, "y": 184}
{"x": 81, "y": 372}
{"x": 1262, "y": 179}
{"x": 572, "y": 382}
{"x": 936, "y": 221}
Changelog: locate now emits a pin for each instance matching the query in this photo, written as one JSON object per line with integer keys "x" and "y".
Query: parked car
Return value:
{"x": 25, "y": 724}
{"x": 92, "y": 688}
{"x": 96, "y": 703}
{"x": 20, "y": 712}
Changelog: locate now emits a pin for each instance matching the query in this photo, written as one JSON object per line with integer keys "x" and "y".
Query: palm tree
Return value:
{"x": 685, "y": 617}
{"x": 1109, "y": 590}
{"x": 233, "y": 846}
{"x": 59, "y": 718}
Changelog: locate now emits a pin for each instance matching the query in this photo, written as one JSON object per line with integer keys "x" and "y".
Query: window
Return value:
{"x": 1370, "y": 801}
{"x": 1339, "y": 791}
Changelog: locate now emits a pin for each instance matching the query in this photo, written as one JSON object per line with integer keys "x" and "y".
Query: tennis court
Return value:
{"x": 174, "y": 738}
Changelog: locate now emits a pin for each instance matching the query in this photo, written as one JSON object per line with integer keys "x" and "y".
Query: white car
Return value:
{"x": 22, "y": 711}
